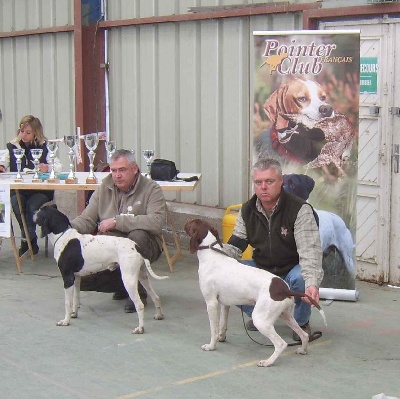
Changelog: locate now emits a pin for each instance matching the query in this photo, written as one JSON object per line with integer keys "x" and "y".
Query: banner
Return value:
{"x": 5, "y": 210}
{"x": 306, "y": 104}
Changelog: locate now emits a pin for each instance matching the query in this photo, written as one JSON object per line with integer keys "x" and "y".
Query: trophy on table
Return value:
{"x": 19, "y": 153}
{"x": 91, "y": 142}
{"x": 52, "y": 146}
{"x": 111, "y": 146}
{"x": 36, "y": 154}
{"x": 70, "y": 142}
{"x": 148, "y": 155}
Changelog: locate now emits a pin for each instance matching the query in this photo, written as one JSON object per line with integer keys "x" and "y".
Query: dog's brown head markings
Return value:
{"x": 197, "y": 230}
{"x": 296, "y": 96}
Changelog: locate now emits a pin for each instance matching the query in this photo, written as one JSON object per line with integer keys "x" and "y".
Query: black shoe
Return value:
{"x": 130, "y": 306}
{"x": 23, "y": 249}
{"x": 35, "y": 247}
{"x": 250, "y": 326}
{"x": 305, "y": 328}
{"x": 117, "y": 296}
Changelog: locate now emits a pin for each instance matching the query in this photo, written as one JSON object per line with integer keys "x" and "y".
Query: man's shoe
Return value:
{"x": 35, "y": 247}
{"x": 130, "y": 306}
{"x": 23, "y": 249}
{"x": 117, "y": 296}
{"x": 305, "y": 328}
{"x": 250, "y": 326}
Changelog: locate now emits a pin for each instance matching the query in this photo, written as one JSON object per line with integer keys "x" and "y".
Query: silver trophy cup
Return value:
{"x": 19, "y": 154}
{"x": 52, "y": 146}
{"x": 148, "y": 156}
{"x": 36, "y": 154}
{"x": 111, "y": 146}
{"x": 91, "y": 142}
{"x": 70, "y": 142}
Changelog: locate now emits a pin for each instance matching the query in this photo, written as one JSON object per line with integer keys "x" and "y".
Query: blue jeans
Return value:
{"x": 31, "y": 201}
{"x": 302, "y": 310}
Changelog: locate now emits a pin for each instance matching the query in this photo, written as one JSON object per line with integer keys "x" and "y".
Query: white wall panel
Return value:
{"x": 37, "y": 77}
{"x": 19, "y": 15}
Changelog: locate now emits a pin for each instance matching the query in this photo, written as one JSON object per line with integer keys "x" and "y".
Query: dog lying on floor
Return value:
{"x": 78, "y": 255}
{"x": 225, "y": 282}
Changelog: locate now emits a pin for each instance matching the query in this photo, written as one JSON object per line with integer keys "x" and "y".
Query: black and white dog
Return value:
{"x": 79, "y": 255}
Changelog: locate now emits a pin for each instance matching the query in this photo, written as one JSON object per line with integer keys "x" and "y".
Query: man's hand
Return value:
{"x": 107, "y": 224}
{"x": 313, "y": 292}
{"x": 2, "y": 169}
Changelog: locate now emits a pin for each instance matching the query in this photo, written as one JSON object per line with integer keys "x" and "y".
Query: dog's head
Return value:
{"x": 297, "y": 184}
{"x": 51, "y": 220}
{"x": 197, "y": 230}
{"x": 297, "y": 96}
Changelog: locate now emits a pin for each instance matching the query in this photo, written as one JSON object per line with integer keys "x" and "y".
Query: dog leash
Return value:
{"x": 314, "y": 336}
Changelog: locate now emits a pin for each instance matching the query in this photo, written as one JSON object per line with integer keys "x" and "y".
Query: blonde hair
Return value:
{"x": 36, "y": 125}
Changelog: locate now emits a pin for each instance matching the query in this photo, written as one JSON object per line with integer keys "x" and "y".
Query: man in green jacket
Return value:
{"x": 283, "y": 231}
{"x": 126, "y": 204}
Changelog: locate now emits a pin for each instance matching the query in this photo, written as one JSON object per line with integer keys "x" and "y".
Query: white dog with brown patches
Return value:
{"x": 225, "y": 282}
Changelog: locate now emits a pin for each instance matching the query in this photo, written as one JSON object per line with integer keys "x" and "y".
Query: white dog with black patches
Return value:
{"x": 225, "y": 282}
{"x": 79, "y": 255}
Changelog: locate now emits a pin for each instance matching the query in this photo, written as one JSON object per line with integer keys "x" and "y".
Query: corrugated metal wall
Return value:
{"x": 183, "y": 89}
{"x": 37, "y": 71}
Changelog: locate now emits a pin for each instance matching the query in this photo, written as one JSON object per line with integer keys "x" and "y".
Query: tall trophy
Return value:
{"x": 52, "y": 146}
{"x": 70, "y": 142}
{"x": 91, "y": 142}
{"x": 36, "y": 154}
{"x": 19, "y": 154}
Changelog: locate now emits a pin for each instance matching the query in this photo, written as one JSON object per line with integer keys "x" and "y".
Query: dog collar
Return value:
{"x": 55, "y": 242}
{"x": 211, "y": 246}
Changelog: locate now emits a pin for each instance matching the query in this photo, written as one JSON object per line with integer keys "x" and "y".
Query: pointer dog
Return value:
{"x": 78, "y": 255}
{"x": 226, "y": 282}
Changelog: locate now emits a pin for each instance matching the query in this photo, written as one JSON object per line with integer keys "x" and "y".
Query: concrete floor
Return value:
{"x": 358, "y": 355}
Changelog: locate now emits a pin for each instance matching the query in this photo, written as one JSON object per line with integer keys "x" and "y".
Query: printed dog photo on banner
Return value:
{"x": 306, "y": 105}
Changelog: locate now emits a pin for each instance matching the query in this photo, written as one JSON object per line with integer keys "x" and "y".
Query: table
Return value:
{"x": 81, "y": 185}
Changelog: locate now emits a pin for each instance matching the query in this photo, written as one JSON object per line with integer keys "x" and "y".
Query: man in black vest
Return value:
{"x": 283, "y": 231}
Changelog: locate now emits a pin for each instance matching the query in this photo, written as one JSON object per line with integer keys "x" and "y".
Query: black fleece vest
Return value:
{"x": 274, "y": 246}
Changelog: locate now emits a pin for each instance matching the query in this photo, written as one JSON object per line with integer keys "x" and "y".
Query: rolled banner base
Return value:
{"x": 339, "y": 294}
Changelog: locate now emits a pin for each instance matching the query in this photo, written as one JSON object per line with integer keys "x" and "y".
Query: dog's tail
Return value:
{"x": 302, "y": 295}
{"x": 150, "y": 270}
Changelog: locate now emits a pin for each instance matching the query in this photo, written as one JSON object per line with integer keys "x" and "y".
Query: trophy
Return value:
{"x": 111, "y": 146}
{"x": 18, "y": 153}
{"x": 148, "y": 155}
{"x": 36, "y": 154}
{"x": 70, "y": 142}
{"x": 52, "y": 146}
{"x": 91, "y": 142}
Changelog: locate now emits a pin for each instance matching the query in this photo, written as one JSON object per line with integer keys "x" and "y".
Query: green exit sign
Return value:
{"x": 369, "y": 75}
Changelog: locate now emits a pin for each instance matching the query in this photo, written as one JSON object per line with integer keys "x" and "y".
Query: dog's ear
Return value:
{"x": 215, "y": 233}
{"x": 193, "y": 244}
{"x": 42, "y": 220}
{"x": 275, "y": 105}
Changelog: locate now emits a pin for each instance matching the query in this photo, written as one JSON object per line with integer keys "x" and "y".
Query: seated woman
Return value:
{"x": 29, "y": 135}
